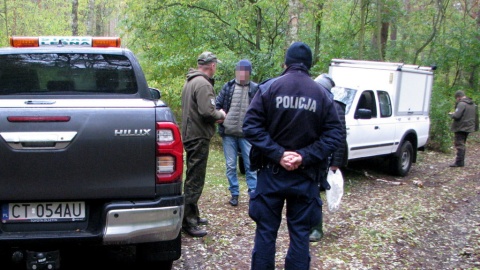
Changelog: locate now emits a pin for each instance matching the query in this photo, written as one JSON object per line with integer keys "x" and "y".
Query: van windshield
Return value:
{"x": 345, "y": 95}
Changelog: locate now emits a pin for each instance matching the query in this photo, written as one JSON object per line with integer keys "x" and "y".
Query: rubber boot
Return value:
{"x": 316, "y": 233}
{"x": 460, "y": 159}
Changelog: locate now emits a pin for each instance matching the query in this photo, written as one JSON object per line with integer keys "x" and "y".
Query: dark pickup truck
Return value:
{"x": 89, "y": 154}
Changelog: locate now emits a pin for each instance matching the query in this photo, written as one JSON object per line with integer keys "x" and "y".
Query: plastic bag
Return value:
{"x": 335, "y": 193}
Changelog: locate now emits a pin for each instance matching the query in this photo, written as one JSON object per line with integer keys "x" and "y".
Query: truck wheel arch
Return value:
{"x": 411, "y": 136}
{"x": 406, "y": 154}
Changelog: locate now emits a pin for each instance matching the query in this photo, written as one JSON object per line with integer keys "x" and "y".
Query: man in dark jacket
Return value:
{"x": 234, "y": 98}
{"x": 293, "y": 127}
{"x": 463, "y": 123}
{"x": 338, "y": 158}
{"x": 198, "y": 127}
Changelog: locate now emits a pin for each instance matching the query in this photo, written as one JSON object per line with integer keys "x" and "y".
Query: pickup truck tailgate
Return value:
{"x": 90, "y": 149}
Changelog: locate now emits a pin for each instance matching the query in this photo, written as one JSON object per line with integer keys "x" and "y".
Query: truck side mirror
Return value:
{"x": 155, "y": 93}
{"x": 363, "y": 114}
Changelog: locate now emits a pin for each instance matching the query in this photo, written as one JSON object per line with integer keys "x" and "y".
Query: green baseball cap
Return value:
{"x": 207, "y": 57}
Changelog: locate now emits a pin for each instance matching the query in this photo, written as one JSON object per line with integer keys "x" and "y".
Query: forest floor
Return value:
{"x": 429, "y": 219}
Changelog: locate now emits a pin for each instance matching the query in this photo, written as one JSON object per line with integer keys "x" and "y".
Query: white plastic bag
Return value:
{"x": 335, "y": 193}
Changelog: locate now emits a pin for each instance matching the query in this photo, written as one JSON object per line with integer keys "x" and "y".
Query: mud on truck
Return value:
{"x": 90, "y": 155}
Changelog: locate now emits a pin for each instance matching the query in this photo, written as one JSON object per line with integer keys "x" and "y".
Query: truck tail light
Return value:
{"x": 169, "y": 153}
{"x": 165, "y": 164}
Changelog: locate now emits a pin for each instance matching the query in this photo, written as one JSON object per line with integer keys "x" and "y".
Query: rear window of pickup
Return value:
{"x": 66, "y": 74}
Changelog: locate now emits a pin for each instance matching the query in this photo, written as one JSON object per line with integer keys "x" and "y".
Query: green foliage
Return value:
{"x": 440, "y": 138}
{"x": 171, "y": 90}
{"x": 24, "y": 18}
{"x": 53, "y": 17}
{"x": 171, "y": 34}
{"x": 168, "y": 35}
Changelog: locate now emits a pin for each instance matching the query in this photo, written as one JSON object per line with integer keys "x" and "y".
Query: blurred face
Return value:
{"x": 242, "y": 75}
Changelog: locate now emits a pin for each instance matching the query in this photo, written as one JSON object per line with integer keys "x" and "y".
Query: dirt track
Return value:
{"x": 427, "y": 220}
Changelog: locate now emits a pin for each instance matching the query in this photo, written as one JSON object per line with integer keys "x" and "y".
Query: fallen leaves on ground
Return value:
{"x": 429, "y": 219}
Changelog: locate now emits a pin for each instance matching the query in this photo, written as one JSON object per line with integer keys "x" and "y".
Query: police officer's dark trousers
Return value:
{"x": 275, "y": 186}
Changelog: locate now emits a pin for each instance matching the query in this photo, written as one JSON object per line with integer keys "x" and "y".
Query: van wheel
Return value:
{"x": 400, "y": 163}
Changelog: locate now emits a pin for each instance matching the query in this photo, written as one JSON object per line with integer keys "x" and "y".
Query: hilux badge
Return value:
{"x": 132, "y": 132}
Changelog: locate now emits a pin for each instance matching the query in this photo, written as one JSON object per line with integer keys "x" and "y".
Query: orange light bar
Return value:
{"x": 73, "y": 41}
{"x": 106, "y": 42}
{"x": 24, "y": 42}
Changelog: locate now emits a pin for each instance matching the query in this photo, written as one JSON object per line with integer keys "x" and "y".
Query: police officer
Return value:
{"x": 293, "y": 127}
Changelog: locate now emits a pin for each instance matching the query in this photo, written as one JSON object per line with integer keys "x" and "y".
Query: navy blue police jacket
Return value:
{"x": 292, "y": 113}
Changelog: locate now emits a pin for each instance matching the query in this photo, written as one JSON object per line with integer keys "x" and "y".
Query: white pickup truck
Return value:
{"x": 387, "y": 113}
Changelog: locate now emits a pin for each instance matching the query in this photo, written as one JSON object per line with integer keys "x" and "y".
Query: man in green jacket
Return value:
{"x": 198, "y": 127}
{"x": 463, "y": 123}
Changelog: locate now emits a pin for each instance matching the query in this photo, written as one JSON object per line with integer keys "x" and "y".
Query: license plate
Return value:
{"x": 43, "y": 212}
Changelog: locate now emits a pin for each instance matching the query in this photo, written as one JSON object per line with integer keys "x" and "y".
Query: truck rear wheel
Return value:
{"x": 159, "y": 255}
{"x": 401, "y": 162}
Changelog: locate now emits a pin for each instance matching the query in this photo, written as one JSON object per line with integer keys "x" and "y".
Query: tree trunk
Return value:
{"x": 98, "y": 20}
{"x": 474, "y": 77}
{"x": 382, "y": 29}
{"x": 292, "y": 34}
{"x": 5, "y": 12}
{"x": 90, "y": 16}
{"x": 378, "y": 34}
{"x": 361, "y": 41}
{"x": 259, "y": 28}
{"x": 384, "y": 39}
{"x": 318, "y": 31}
{"x": 75, "y": 17}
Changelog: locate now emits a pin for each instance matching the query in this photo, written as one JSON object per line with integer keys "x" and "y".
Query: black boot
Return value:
{"x": 316, "y": 233}
{"x": 457, "y": 164}
{"x": 460, "y": 159}
{"x": 234, "y": 200}
{"x": 195, "y": 231}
